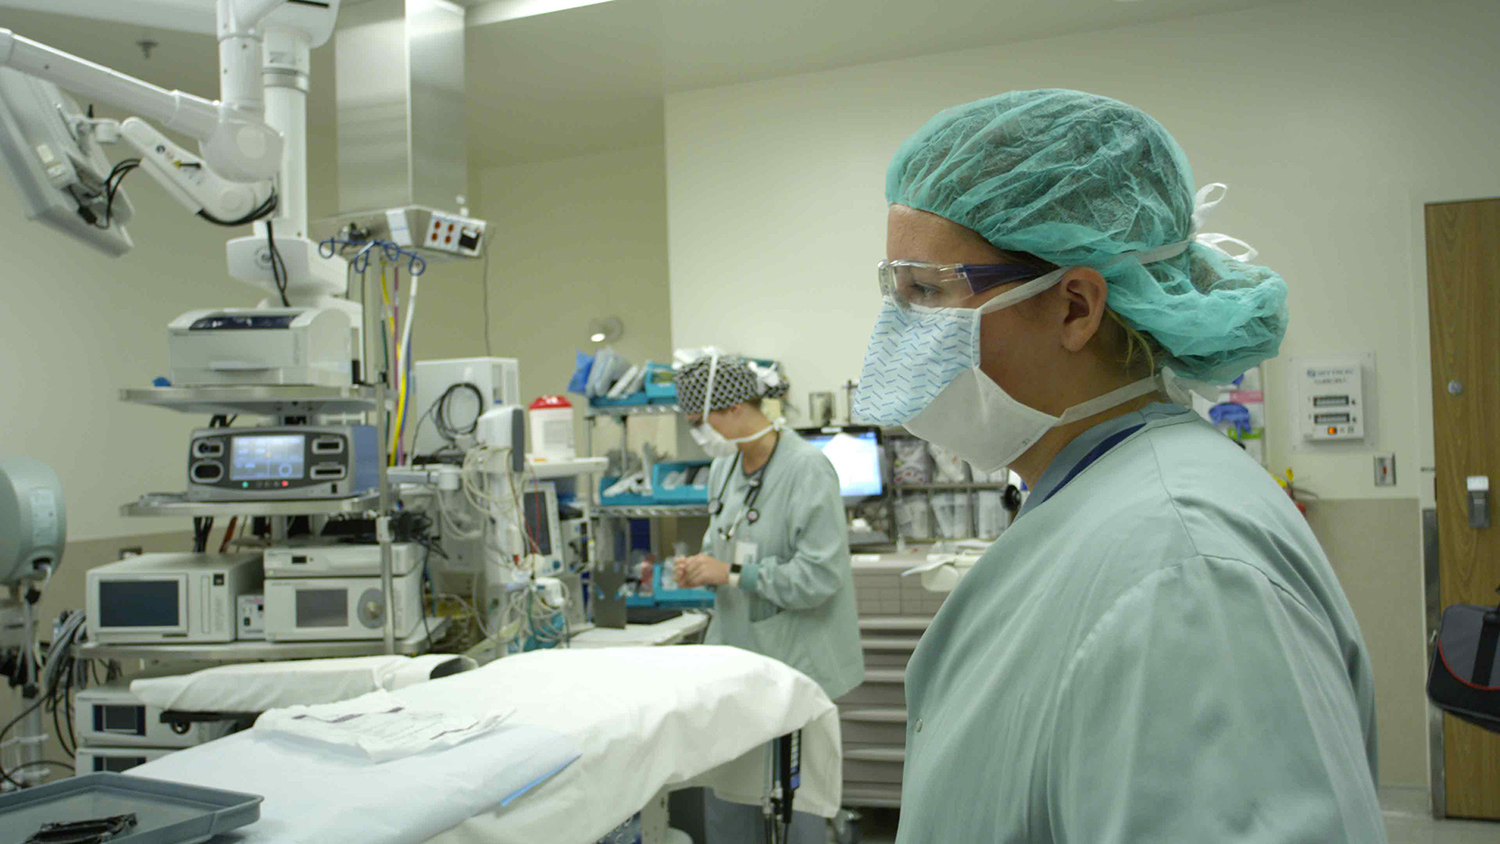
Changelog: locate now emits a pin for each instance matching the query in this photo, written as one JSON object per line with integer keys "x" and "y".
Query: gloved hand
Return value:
{"x": 701, "y": 570}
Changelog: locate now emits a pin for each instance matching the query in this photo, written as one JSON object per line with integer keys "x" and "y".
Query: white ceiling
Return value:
{"x": 594, "y": 78}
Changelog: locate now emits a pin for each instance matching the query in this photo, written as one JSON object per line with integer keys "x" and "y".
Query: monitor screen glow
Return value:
{"x": 855, "y": 455}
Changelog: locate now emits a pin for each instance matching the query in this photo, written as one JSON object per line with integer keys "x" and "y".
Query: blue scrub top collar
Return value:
{"x": 1061, "y": 469}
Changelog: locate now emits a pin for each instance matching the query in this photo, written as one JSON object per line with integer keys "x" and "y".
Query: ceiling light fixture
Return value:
{"x": 499, "y": 11}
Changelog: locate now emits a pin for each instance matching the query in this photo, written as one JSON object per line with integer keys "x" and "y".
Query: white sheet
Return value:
{"x": 262, "y": 686}
{"x": 649, "y": 719}
{"x": 644, "y": 720}
{"x": 317, "y": 796}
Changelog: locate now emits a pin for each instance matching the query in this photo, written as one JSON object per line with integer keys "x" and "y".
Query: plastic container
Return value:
{"x": 685, "y": 494}
{"x": 552, "y": 429}
{"x": 625, "y": 500}
{"x": 166, "y": 812}
{"x": 633, "y": 400}
{"x": 661, "y": 384}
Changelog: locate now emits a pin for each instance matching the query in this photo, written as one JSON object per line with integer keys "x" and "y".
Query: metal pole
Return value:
{"x": 382, "y": 518}
{"x": 29, "y": 743}
{"x": 383, "y": 525}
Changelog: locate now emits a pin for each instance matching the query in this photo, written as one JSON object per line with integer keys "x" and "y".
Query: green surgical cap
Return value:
{"x": 1078, "y": 179}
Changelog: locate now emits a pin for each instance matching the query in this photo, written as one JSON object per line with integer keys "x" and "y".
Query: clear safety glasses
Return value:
{"x": 920, "y": 284}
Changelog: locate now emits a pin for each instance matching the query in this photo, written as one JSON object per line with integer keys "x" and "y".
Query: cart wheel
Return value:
{"x": 846, "y": 827}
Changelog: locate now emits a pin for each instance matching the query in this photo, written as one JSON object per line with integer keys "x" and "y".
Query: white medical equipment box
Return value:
{"x": 111, "y": 716}
{"x": 312, "y": 346}
{"x": 176, "y": 598}
{"x": 317, "y": 609}
{"x": 95, "y": 760}
{"x": 340, "y": 560}
{"x": 494, "y": 381}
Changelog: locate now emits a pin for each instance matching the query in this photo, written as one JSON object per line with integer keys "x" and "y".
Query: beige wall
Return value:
{"x": 574, "y": 240}
{"x": 1331, "y": 121}
{"x": 1375, "y": 546}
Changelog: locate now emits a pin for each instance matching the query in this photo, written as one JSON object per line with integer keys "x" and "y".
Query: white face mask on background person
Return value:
{"x": 922, "y": 371}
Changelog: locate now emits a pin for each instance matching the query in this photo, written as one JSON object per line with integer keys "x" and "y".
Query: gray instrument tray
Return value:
{"x": 167, "y": 812}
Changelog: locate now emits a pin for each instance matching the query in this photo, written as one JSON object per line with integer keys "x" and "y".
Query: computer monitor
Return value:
{"x": 60, "y": 174}
{"x": 857, "y": 456}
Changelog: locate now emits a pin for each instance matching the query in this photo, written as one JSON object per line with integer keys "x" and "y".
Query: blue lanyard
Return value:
{"x": 1088, "y": 459}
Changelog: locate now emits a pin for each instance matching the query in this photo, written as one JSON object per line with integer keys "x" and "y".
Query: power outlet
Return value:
{"x": 1385, "y": 470}
{"x": 458, "y": 235}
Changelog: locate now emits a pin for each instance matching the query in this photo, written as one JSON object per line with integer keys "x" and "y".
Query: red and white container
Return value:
{"x": 552, "y": 429}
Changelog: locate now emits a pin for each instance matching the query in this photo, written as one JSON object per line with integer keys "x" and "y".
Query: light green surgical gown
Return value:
{"x": 795, "y": 599}
{"x": 1159, "y": 652}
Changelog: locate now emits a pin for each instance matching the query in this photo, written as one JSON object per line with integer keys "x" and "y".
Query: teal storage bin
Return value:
{"x": 696, "y": 494}
{"x": 627, "y": 500}
{"x": 633, "y": 400}
{"x": 661, "y": 384}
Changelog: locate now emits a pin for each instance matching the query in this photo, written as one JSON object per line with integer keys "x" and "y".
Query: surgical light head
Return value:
{"x": 33, "y": 520}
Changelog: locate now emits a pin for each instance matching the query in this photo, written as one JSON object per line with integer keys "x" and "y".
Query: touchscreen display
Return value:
{"x": 138, "y": 603}
{"x": 267, "y": 458}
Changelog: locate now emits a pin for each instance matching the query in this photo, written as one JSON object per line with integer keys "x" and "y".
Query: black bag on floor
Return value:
{"x": 1464, "y": 679}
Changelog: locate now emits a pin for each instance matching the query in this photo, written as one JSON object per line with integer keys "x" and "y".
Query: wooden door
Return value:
{"x": 1463, "y": 278}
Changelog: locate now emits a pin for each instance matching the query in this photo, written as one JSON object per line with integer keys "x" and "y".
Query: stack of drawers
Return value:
{"x": 894, "y": 611}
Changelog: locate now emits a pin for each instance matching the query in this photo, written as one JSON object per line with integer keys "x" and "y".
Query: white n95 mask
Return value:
{"x": 711, "y": 441}
{"x": 922, "y": 371}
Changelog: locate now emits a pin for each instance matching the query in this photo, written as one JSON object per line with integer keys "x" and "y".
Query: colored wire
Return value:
{"x": 228, "y": 534}
{"x": 405, "y": 342}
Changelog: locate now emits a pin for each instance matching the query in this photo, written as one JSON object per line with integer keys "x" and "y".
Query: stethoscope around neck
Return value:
{"x": 748, "y": 514}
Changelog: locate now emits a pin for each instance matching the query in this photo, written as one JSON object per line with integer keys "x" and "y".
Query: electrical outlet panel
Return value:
{"x": 455, "y": 234}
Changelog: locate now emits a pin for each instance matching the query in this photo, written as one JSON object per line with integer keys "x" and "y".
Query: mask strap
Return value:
{"x": 1109, "y": 400}
{"x": 1203, "y": 204}
{"x": 778, "y": 425}
{"x": 708, "y": 391}
{"x": 1035, "y": 287}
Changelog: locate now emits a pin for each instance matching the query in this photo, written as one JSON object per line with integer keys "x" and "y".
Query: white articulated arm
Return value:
{"x": 197, "y": 187}
{"x": 174, "y": 109}
{"x": 236, "y": 142}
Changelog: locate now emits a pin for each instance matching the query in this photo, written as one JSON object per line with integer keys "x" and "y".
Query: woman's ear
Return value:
{"x": 1086, "y": 294}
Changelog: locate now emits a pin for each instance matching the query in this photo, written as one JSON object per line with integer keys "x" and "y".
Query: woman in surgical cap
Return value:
{"x": 1157, "y": 650}
{"x": 776, "y": 552}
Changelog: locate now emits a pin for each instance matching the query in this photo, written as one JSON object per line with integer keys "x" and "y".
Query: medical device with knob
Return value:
{"x": 315, "y": 609}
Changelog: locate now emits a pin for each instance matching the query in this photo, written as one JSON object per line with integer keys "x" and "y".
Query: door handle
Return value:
{"x": 1479, "y": 501}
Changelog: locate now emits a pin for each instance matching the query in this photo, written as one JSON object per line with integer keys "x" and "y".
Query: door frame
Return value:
{"x": 1427, "y": 451}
